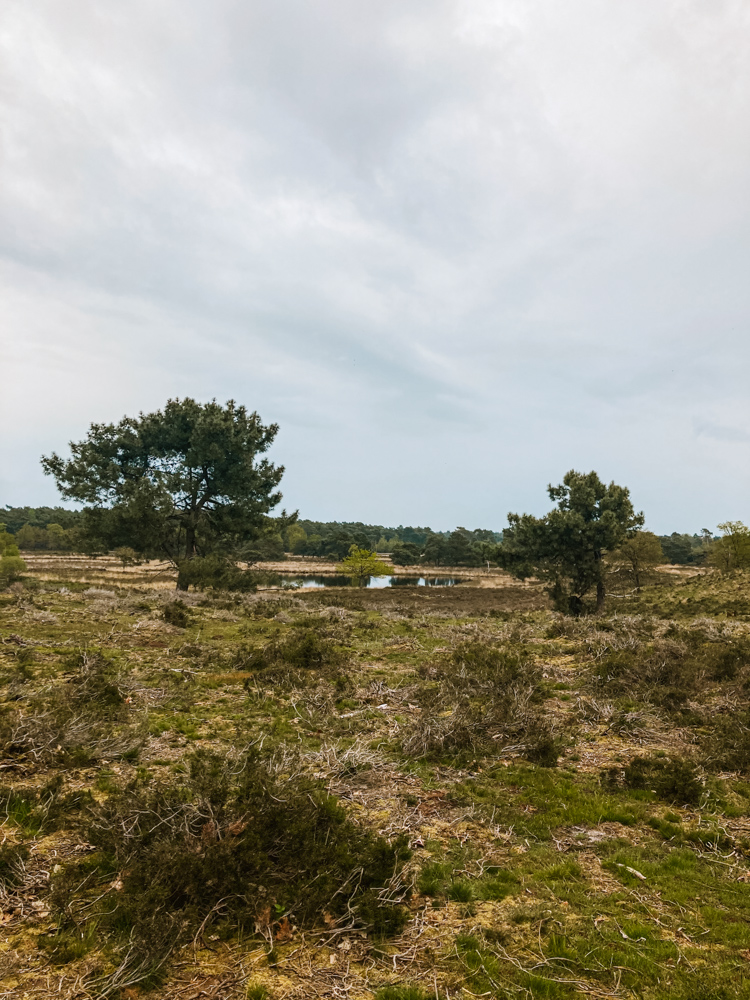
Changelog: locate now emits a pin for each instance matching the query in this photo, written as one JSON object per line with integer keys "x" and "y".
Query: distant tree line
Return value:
{"x": 407, "y": 546}
{"x": 56, "y": 529}
{"x": 16, "y": 518}
{"x": 686, "y": 550}
{"x": 726, "y": 552}
{"x": 59, "y": 529}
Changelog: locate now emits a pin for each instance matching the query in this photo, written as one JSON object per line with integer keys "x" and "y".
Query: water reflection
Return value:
{"x": 372, "y": 582}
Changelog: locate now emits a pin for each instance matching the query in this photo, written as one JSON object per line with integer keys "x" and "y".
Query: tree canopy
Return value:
{"x": 638, "y": 555}
{"x": 686, "y": 550}
{"x": 361, "y": 564}
{"x": 407, "y": 545}
{"x": 732, "y": 550}
{"x": 566, "y": 546}
{"x": 181, "y": 482}
{"x": 16, "y": 518}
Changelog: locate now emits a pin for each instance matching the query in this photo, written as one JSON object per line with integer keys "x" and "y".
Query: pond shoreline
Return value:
{"x": 159, "y": 574}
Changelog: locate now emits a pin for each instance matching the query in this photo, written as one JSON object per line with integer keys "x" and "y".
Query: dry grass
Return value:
{"x": 105, "y": 571}
{"x": 600, "y": 877}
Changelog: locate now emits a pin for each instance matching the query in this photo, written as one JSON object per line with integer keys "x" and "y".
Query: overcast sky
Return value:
{"x": 453, "y": 248}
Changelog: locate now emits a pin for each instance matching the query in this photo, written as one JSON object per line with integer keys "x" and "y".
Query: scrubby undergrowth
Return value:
{"x": 371, "y": 795}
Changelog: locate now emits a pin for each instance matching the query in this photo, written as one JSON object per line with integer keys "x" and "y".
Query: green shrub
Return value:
{"x": 43, "y": 809}
{"x": 176, "y": 613}
{"x": 24, "y": 659}
{"x": 127, "y": 556}
{"x": 302, "y": 656}
{"x": 724, "y": 661}
{"x": 225, "y": 842}
{"x": 478, "y": 699}
{"x": 541, "y": 746}
{"x": 219, "y": 573}
{"x": 726, "y": 744}
{"x": 489, "y": 666}
{"x": 670, "y": 779}
{"x": 461, "y": 892}
{"x": 12, "y": 566}
{"x": 68, "y": 946}
{"x": 673, "y": 669}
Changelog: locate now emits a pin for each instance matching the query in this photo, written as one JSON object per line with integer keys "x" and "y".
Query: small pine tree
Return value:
{"x": 567, "y": 547}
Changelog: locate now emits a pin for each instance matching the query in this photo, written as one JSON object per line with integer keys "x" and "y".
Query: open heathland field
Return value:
{"x": 406, "y": 794}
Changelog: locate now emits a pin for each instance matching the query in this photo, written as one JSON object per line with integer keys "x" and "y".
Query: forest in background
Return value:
{"x": 56, "y": 529}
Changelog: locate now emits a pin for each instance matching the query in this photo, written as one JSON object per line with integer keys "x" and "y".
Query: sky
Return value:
{"x": 452, "y": 248}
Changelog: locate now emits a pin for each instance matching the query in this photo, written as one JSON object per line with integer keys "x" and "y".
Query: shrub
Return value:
{"x": 670, "y": 779}
{"x": 361, "y": 564}
{"x": 34, "y": 810}
{"x": 726, "y": 745}
{"x": 218, "y": 573}
{"x": 303, "y": 656}
{"x": 12, "y": 858}
{"x": 176, "y": 613}
{"x": 226, "y": 844}
{"x": 541, "y": 746}
{"x": 127, "y": 556}
{"x": 671, "y": 670}
{"x": 85, "y": 718}
{"x": 25, "y": 657}
{"x": 724, "y": 661}
{"x": 479, "y": 698}
{"x": 94, "y": 684}
{"x": 12, "y": 566}
{"x": 461, "y": 892}
{"x": 432, "y": 877}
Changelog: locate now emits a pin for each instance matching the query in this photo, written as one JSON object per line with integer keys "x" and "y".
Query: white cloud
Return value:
{"x": 452, "y": 248}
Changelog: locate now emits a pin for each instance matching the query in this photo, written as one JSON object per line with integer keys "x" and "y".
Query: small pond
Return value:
{"x": 372, "y": 582}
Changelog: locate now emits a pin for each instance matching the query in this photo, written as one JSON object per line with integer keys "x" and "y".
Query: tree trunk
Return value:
{"x": 601, "y": 592}
{"x": 189, "y": 541}
{"x": 183, "y": 582}
{"x": 560, "y": 598}
{"x": 575, "y": 605}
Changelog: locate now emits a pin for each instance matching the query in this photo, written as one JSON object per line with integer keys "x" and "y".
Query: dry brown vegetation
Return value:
{"x": 399, "y": 794}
